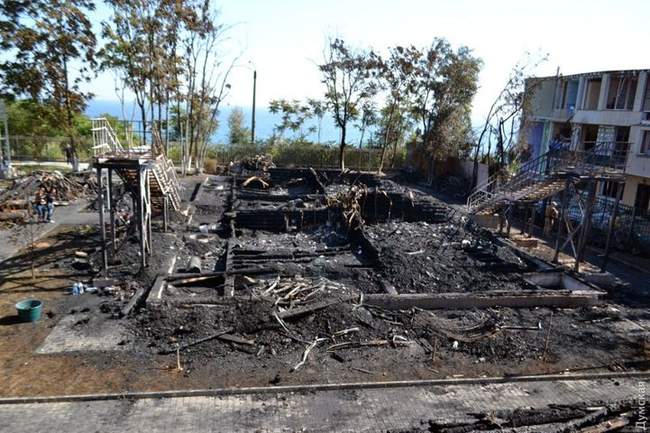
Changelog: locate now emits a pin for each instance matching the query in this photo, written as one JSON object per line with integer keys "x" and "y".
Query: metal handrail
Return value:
{"x": 603, "y": 158}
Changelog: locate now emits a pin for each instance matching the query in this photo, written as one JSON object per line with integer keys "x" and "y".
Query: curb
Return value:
{"x": 218, "y": 392}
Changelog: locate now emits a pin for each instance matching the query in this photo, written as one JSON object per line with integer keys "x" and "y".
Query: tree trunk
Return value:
{"x": 476, "y": 155}
{"x": 385, "y": 143}
{"x": 342, "y": 149}
{"x": 392, "y": 160}
{"x": 143, "y": 113}
{"x": 69, "y": 120}
{"x": 320, "y": 124}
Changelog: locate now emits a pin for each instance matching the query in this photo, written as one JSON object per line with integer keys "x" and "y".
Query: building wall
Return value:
{"x": 541, "y": 103}
{"x": 607, "y": 117}
{"x": 548, "y": 108}
{"x": 638, "y": 164}
{"x": 631, "y": 185}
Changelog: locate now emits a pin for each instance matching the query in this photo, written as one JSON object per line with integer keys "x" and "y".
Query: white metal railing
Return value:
{"x": 104, "y": 139}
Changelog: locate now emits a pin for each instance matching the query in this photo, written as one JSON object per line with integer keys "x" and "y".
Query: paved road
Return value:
{"x": 367, "y": 410}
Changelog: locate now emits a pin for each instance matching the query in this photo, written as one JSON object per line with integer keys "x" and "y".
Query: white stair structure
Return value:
{"x": 148, "y": 175}
{"x": 546, "y": 175}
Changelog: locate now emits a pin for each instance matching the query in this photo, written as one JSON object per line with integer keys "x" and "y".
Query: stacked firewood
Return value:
{"x": 15, "y": 202}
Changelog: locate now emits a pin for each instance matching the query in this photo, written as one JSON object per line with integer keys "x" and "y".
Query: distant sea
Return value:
{"x": 264, "y": 121}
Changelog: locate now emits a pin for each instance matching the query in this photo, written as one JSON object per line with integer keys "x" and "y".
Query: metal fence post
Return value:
{"x": 612, "y": 221}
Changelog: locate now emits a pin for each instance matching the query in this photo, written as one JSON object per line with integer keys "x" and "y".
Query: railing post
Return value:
{"x": 631, "y": 233}
{"x": 102, "y": 226}
{"x": 610, "y": 228}
{"x": 560, "y": 222}
{"x": 586, "y": 226}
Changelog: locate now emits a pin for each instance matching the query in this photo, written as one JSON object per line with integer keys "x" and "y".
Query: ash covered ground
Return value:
{"x": 373, "y": 236}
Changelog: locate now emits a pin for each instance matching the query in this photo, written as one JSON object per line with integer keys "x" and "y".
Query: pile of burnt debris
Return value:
{"x": 17, "y": 200}
{"x": 298, "y": 263}
{"x": 593, "y": 417}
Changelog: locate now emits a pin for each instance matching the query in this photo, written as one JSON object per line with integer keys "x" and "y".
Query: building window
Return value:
{"x": 645, "y": 142}
{"x": 620, "y": 95}
{"x": 592, "y": 94}
{"x": 609, "y": 189}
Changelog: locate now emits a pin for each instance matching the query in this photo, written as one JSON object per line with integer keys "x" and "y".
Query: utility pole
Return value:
{"x": 253, "y": 113}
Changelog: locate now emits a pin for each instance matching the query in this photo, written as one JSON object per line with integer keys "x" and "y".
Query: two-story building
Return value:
{"x": 587, "y": 110}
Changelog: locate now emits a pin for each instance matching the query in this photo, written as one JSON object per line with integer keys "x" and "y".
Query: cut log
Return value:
{"x": 301, "y": 311}
{"x": 234, "y": 339}
{"x": 140, "y": 295}
{"x": 195, "y": 342}
{"x": 523, "y": 299}
{"x": 319, "y": 185}
{"x": 15, "y": 216}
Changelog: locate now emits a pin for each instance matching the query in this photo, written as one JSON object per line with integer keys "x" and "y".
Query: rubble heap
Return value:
{"x": 15, "y": 201}
{"x": 253, "y": 164}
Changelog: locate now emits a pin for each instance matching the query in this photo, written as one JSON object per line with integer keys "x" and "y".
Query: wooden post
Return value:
{"x": 586, "y": 225}
{"x": 531, "y": 225}
{"x": 560, "y": 220}
{"x": 102, "y": 226}
{"x": 610, "y": 228}
{"x": 140, "y": 218}
{"x": 147, "y": 209}
{"x": 501, "y": 211}
{"x": 111, "y": 210}
{"x": 508, "y": 221}
{"x": 165, "y": 213}
{"x": 631, "y": 232}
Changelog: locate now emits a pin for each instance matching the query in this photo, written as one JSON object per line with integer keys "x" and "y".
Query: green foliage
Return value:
{"x": 237, "y": 133}
{"x": 294, "y": 114}
{"x": 43, "y": 38}
{"x": 35, "y": 132}
{"x": 349, "y": 78}
{"x": 444, "y": 84}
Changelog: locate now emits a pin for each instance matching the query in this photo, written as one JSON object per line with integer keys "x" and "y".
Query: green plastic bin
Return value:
{"x": 29, "y": 310}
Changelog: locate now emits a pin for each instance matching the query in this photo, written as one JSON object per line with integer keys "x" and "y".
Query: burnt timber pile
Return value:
{"x": 289, "y": 273}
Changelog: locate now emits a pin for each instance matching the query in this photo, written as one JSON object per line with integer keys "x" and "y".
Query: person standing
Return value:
{"x": 49, "y": 205}
{"x": 550, "y": 217}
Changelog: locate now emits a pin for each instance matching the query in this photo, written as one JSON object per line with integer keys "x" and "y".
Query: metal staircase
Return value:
{"x": 160, "y": 171}
{"x": 546, "y": 176}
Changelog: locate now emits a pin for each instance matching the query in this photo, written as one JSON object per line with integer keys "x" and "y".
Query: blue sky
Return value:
{"x": 284, "y": 39}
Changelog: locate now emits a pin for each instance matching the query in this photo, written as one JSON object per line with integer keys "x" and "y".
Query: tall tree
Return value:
{"x": 504, "y": 116}
{"x": 366, "y": 119}
{"x": 43, "y": 39}
{"x": 396, "y": 77}
{"x": 167, "y": 52}
{"x": 445, "y": 81}
{"x": 204, "y": 77}
{"x": 237, "y": 132}
{"x": 318, "y": 109}
{"x": 348, "y": 76}
{"x": 394, "y": 126}
{"x": 293, "y": 115}
{"x": 140, "y": 36}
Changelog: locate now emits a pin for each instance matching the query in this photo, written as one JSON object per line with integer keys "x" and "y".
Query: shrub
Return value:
{"x": 211, "y": 166}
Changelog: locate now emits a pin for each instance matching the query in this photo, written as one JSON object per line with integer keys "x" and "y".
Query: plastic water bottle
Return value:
{"x": 77, "y": 289}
